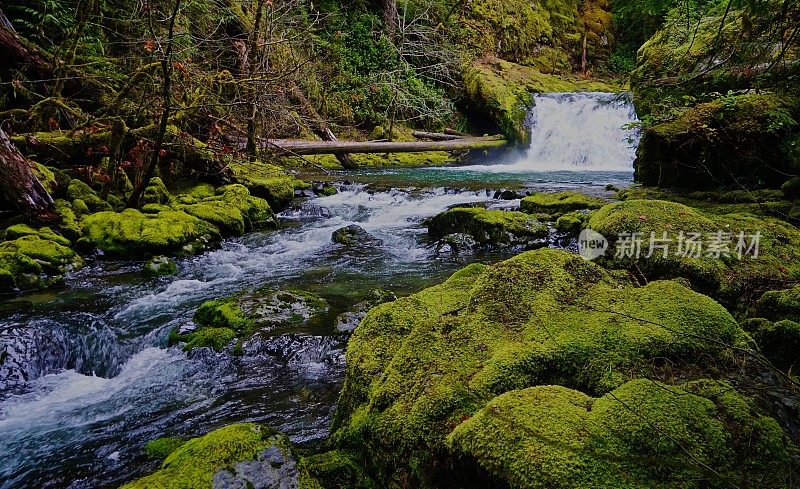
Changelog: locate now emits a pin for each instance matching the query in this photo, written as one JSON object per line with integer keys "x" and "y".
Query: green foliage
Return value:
{"x": 161, "y": 448}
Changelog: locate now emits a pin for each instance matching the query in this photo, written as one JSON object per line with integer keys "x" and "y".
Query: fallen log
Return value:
{"x": 435, "y": 136}
{"x": 300, "y": 147}
{"x": 320, "y": 127}
{"x": 453, "y": 132}
{"x": 21, "y": 187}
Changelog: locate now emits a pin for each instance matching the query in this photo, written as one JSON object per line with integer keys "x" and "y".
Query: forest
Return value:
{"x": 399, "y": 244}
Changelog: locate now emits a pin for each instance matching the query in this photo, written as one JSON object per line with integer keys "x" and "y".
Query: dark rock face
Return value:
{"x": 457, "y": 244}
{"x": 355, "y": 235}
{"x": 271, "y": 469}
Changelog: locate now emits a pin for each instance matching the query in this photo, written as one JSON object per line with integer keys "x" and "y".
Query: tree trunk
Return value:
{"x": 390, "y": 18}
{"x": 583, "y": 56}
{"x": 301, "y": 147}
{"x": 20, "y": 185}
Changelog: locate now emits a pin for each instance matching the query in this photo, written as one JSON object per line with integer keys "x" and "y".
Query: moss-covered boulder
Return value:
{"x": 155, "y": 193}
{"x": 267, "y": 181}
{"x": 79, "y": 190}
{"x": 715, "y": 267}
{"x": 161, "y": 448}
{"x": 264, "y": 310}
{"x": 231, "y": 208}
{"x": 335, "y": 469}
{"x": 33, "y": 258}
{"x": 131, "y": 233}
{"x": 159, "y": 266}
{"x": 643, "y": 434}
{"x": 239, "y": 455}
{"x": 571, "y": 222}
{"x": 556, "y": 204}
{"x": 419, "y": 366}
{"x": 722, "y": 142}
{"x": 488, "y": 227}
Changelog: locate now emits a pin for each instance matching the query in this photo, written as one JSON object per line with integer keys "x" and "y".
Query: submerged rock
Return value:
{"x": 245, "y": 455}
{"x": 347, "y": 322}
{"x": 418, "y": 367}
{"x": 457, "y": 244}
{"x": 354, "y": 235}
{"x": 242, "y": 315}
{"x": 559, "y": 203}
{"x": 489, "y": 227}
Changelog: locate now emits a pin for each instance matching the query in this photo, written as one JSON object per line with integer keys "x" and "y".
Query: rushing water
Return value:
{"x": 86, "y": 378}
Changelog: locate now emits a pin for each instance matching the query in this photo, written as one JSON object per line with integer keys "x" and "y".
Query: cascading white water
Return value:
{"x": 581, "y": 131}
{"x": 578, "y": 132}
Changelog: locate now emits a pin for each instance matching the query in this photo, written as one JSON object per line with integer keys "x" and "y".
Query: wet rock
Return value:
{"x": 159, "y": 266}
{"x": 34, "y": 258}
{"x": 506, "y": 194}
{"x": 348, "y": 321}
{"x": 324, "y": 189}
{"x": 489, "y": 227}
{"x": 247, "y": 455}
{"x": 263, "y": 310}
{"x": 303, "y": 193}
{"x": 355, "y": 235}
{"x": 457, "y": 244}
{"x": 272, "y": 469}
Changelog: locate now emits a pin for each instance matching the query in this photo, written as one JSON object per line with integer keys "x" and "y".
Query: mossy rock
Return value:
{"x": 80, "y": 190}
{"x": 229, "y": 455}
{"x": 20, "y": 230}
{"x": 723, "y": 142}
{"x": 131, "y": 233}
{"x": 642, "y": 434}
{"x": 419, "y": 366}
{"x": 557, "y": 204}
{"x": 335, "y": 469}
{"x": 354, "y": 235}
{"x": 232, "y": 209}
{"x": 226, "y": 217}
{"x": 791, "y": 188}
{"x": 155, "y": 192}
{"x": 159, "y": 266}
{"x": 488, "y": 227}
{"x": 240, "y": 316}
{"x": 68, "y": 223}
{"x": 161, "y": 448}
{"x": 730, "y": 279}
{"x": 779, "y": 341}
{"x": 34, "y": 259}
{"x": 47, "y": 178}
{"x": 267, "y": 181}
{"x": 571, "y": 222}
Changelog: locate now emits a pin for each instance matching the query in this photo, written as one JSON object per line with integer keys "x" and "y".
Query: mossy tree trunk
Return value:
{"x": 20, "y": 185}
{"x": 390, "y": 18}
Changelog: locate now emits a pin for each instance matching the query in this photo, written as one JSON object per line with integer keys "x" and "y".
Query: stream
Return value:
{"x": 86, "y": 378}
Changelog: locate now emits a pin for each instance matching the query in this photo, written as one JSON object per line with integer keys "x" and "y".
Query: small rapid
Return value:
{"x": 86, "y": 378}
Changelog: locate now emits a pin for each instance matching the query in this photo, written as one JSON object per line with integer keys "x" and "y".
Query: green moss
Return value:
{"x": 417, "y": 366}
{"x": 155, "y": 193}
{"x": 267, "y": 181}
{"x": 487, "y": 226}
{"x": 571, "y": 222}
{"x": 791, "y": 188}
{"x": 227, "y": 218}
{"x": 131, "y": 233}
{"x": 244, "y": 314}
{"x": 778, "y": 304}
{"x": 780, "y": 342}
{"x": 53, "y": 257}
{"x": 728, "y": 279}
{"x": 20, "y": 230}
{"x": 68, "y": 223}
{"x": 47, "y": 177}
{"x": 194, "y": 464}
{"x": 159, "y": 266}
{"x": 161, "y": 448}
{"x": 643, "y": 434}
{"x": 335, "y": 469}
{"x": 80, "y": 190}
{"x": 381, "y": 160}
{"x": 730, "y": 136}
{"x": 559, "y": 203}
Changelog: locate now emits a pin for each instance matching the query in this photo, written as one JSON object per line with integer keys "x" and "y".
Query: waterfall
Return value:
{"x": 581, "y": 131}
